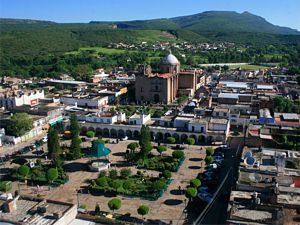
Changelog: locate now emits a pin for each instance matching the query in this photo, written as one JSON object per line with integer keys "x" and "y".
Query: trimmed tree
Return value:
{"x": 191, "y": 192}
{"x": 143, "y": 210}
{"x": 210, "y": 151}
{"x": 195, "y": 183}
{"x": 128, "y": 184}
{"x": 145, "y": 142}
{"x": 90, "y": 134}
{"x": 190, "y": 141}
{"x": 19, "y": 124}
{"x": 75, "y": 147}
{"x": 97, "y": 208}
{"x": 171, "y": 140}
{"x": 161, "y": 149}
{"x": 23, "y": 170}
{"x": 166, "y": 174}
{"x": 74, "y": 125}
{"x": 114, "y": 204}
{"x": 133, "y": 146}
{"x": 178, "y": 154}
{"x": 52, "y": 174}
{"x": 208, "y": 159}
{"x": 113, "y": 174}
{"x": 54, "y": 149}
{"x": 102, "y": 182}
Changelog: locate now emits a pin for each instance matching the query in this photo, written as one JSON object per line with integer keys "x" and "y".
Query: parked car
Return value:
{"x": 218, "y": 158}
{"x": 202, "y": 188}
{"x": 219, "y": 154}
{"x": 225, "y": 147}
{"x": 205, "y": 196}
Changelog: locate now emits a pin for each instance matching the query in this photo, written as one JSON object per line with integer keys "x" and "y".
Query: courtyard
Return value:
{"x": 167, "y": 208}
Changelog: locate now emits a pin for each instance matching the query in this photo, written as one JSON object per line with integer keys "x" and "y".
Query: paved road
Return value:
{"x": 217, "y": 213}
{"x": 13, "y": 148}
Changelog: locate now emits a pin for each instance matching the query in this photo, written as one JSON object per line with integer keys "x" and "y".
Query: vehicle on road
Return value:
{"x": 205, "y": 196}
{"x": 124, "y": 138}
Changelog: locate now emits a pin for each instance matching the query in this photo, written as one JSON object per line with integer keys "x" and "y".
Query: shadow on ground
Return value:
{"x": 172, "y": 202}
{"x": 195, "y": 159}
{"x": 194, "y": 167}
{"x": 176, "y": 192}
{"x": 121, "y": 154}
{"x": 75, "y": 167}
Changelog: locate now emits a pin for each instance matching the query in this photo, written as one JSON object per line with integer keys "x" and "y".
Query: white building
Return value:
{"x": 13, "y": 99}
{"x": 139, "y": 119}
{"x": 85, "y": 101}
{"x": 105, "y": 118}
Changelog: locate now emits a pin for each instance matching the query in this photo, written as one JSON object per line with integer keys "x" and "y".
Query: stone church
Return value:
{"x": 164, "y": 86}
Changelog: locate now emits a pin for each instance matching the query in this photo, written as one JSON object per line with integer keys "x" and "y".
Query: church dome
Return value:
{"x": 170, "y": 60}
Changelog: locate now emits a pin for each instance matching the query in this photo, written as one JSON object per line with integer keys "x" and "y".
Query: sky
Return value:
{"x": 278, "y": 12}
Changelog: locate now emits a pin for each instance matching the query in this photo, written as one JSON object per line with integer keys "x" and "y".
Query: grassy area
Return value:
{"x": 249, "y": 67}
{"x": 97, "y": 50}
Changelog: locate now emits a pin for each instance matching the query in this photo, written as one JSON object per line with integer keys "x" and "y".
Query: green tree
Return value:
{"x": 116, "y": 184}
{"x": 191, "y": 192}
{"x": 128, "y": 184}
{"x": 171, "y": 140}
{"x": 190, "y": 141}
{"x": 97, "y": 208}
{"x": 125, "y": 173}
{"x": 178, "y": 154}
{"x": 166, "y": 174}
{"x": 52, "y": 174}
{"x": 102, "y": 182}
{"x": 19, "y": 124}
{"x": 54, "y": 149}
{"x": 74, "y": 125}
{"x": 161, "y": 149}
{"x": 210, "y": 151}
{"x": 159, "y": 185}
{"x": 208, "y": 159}
{"x": 23, "y": 170}
{"x": 114, "y": 204}
{"x": 75, "y": 148}
{"x": 99, "y": 141}
{"x": 113, "y": 174}
{"x": 143, "y": 210}
{"x": 133, "y": 146}
{"x": 90, "y": 134}
{"x": 145, "y": 141}
{"x": 195, "y": 183}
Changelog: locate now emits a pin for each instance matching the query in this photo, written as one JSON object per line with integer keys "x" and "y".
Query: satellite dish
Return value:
{"x": 249, "y": 161}
{"x": 247, "y": 154}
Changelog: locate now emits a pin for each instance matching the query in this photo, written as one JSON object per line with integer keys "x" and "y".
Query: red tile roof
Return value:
{"x": 165, "y": 75}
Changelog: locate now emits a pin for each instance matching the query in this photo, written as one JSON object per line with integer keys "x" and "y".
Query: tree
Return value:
{"x": 23, "y": 170}
{"x": 161, "y": 149}
{"x": 75, "y": 147}
{"x": 74, "y": 125}
{"x": 19, "y": 124}
{"x": 166, "y": 174}
{"x": 113, "y": 174}
{"x": 171, "y": 140}
{"x": 145, "y": 141}
{"x": 97, "y": 208}
{"x": 101, "y": 182}
{"x": 178, "y": 154}
{"x": 282, "y": 104}
{"x": 191, "y": 192}
{"x": 90, "y": 134}
{"x": 190, "y": 141}
{"x": 210, "y": 151}
{"x": 133, "y": 146}
{"x": 54, "y": 149}
{"x": 195, "y": 183}
{"x": 114, "y": 204}
{"x": 99, "y": 141}
{"x": 208, "y": 159}
{"x": 125, "y": 172}
{"x": 128, "y": 184}
{"x": 159, "y": 185}
{"x": 143, "y": 210}
{"x": 52, "y": 174}
{"x": 116, "y": 184}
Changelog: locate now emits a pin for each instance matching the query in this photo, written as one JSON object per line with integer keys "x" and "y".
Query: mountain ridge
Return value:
{"x": 207, "y": 21}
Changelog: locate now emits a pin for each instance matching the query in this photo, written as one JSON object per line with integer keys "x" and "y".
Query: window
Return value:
{"x": 142, "y": 98}
{"x": 201, "y": 129}
{"x": 141, "y": 89}
{"x": 217, "y": 113}
{"x": 193, "y": 128}
{"x": 156, "y": 87}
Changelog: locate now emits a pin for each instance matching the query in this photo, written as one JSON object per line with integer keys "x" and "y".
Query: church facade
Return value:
{"x": 161, "y": 87}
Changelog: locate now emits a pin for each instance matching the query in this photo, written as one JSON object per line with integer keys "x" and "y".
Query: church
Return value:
{"x": 166, "y": 85}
